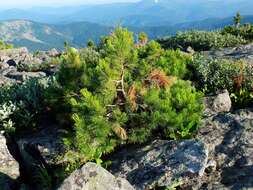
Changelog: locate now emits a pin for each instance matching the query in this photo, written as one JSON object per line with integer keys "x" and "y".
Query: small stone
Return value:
{"x": 190, "y": 50}
{"x": 222, "y": 103}
{"x": 218, "y": 103}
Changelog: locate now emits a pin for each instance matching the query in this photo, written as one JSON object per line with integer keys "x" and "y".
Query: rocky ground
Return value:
{"x": 220, "y": 157}
{"x": 241, "y": 52}
{"x": 18, "y": 65}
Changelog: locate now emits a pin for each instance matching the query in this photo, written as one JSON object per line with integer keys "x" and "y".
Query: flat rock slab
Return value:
{"x": 160, "y": 163}
{"x": 93, "y": 177}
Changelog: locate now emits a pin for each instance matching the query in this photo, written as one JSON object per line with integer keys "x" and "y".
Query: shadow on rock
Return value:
{"x": 235, "y": 153}
{"x": 7, "y": 183}
{"x": 238, "y": 178}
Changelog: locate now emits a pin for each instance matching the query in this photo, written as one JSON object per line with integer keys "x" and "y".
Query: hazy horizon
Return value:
{"x": 48, "y": 3}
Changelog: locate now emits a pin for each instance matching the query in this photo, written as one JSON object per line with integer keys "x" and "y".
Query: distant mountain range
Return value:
{"x": 47, "y": 27}
{"x": 142, "y": 13}
{"x": 38, "y": 36}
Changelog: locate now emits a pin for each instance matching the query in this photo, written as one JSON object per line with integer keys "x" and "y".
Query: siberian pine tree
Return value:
{"x": 91, "y": 44}
{"x": 125, "y": 93}
{"x": 237, "y": 19}
{"x": 142, "y": 38}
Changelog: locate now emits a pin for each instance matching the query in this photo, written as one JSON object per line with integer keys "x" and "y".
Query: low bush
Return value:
{"x": 21, "y": 104}
{"x": 242, "y": 98}
{"x": 215, "y": 74}
{"x": 245, "y": 31}
{"x": 212, "y": 74}
{"x": 201, "y": 40}
{"x": 4, "y": 45}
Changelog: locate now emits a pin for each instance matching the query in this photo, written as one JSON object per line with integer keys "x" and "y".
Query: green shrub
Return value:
{"x": 245, "y": 31}
{"x": 77, "y": 71}
{"x": 173, "y": 63}
{"x": 201, "y": 40}
{"x": 212, "y": 74}
{"x": 242, "y": 98}
{"x": 167, "y": 110}
{"x": 123, "y": 94}
{"x": 6, "y": 111}
{"x": 216, "y": 74}
{"x": 5, "y": 46}
{"x": 21, "y": 104}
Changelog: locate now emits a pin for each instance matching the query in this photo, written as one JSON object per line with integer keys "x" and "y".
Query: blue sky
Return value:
{"x": 30, "y": 3}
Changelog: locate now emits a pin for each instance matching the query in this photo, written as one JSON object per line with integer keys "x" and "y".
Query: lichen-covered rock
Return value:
{"x": 7, "y": 70}
{"x": 160, "y": 163}
{"x": 229, "y": 140}
{"x": 190, "y": 50}
{"x": 53, "y": 52}
{"x": 4, "y": 65}
{"x": 93, "y": 177}
{"x": 6, "y": 81}
{"x": 9, "y": 167}
{"x": 218, "y": 103}
{"x": 13, "y": 52}
{"x": 23, "y": 76}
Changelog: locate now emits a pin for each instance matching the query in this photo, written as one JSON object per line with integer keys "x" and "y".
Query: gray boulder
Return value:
{"x": 53, "y": 53}
{"x": 46, "y": 56}
{"x": 9, "y": 167}
{"x": 161, "y": 163}
{"x": 13, "y": 52}
{"x": 190, "y": 50}
{"x": 6, "y": 81}
{"x": 7, "y": 70}
{"x": 42, "y": 55}
{"x": 3, "y": 65}
{"x": 94, "y": 177}
{"x": 229, "y": 140}
{"x": 218, "y": 103}
{"x": 4, "y": 59}
{"x": 18, "y": 56}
